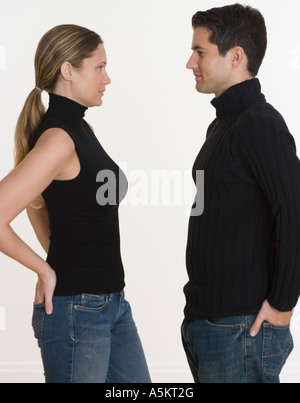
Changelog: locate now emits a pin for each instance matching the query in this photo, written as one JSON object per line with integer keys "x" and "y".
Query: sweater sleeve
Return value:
{"x": 268, "y": 150}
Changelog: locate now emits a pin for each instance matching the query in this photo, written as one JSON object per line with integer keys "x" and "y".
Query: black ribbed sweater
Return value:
{"x": 245, "y": 247}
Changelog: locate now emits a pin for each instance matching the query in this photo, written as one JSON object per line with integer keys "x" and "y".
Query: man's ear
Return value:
{"x": 238, "y": 56}
{"x": 66, "y": 71}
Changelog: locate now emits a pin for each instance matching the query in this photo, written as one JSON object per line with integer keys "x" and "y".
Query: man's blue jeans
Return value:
{"x": 90, "y": 339}
{"x": 222, "y": 350}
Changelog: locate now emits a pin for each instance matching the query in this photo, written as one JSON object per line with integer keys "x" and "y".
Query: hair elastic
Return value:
{"x": 37, "y": 88}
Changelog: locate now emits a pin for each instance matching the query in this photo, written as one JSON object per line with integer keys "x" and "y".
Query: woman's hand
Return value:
{"x": 270, "y": 315}
{"x": 45, "y": 289}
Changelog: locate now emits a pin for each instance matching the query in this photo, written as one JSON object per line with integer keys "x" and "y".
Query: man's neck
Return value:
{"x": 233, "y": 82}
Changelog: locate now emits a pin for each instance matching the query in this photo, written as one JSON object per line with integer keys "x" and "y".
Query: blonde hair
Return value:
{"x": 64, "y": 43}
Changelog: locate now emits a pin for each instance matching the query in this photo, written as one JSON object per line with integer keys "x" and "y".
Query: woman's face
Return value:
{"x": 89, "y": 81}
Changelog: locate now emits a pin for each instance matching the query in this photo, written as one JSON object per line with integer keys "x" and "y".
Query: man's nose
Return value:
{"x": 191, "y": 64}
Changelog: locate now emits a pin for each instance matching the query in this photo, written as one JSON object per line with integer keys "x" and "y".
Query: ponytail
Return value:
{"x": 28, "y": 122}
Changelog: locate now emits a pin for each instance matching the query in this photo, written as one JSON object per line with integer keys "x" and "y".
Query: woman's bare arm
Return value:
{"x": 25, "y": 183}
{"x": 38, "y": 217}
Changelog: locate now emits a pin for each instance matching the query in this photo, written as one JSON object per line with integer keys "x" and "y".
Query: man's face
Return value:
{"x": 213, "y": 72}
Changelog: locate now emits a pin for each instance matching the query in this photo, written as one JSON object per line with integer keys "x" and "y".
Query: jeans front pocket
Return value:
{"x": 38, "y": 321}
{"x": 235, "y": 322}
{"x": 92, "y": 303}
{"x": 277, "y": 346}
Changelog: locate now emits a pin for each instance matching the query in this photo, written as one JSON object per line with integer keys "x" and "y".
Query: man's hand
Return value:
{"x": 271, "y": 315}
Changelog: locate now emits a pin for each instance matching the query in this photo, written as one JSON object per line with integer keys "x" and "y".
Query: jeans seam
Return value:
{"x": 120, "y": 308}
{"x": 72, "y": 335}
{"x": 247, "y": 342}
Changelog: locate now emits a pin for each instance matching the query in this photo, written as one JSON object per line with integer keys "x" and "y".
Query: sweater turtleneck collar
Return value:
{"x": 237, "y": 98}
{"x": 66, "y": 109}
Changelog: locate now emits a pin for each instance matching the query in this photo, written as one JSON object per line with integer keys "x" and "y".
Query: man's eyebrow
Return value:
{"x": 197, "y": 47}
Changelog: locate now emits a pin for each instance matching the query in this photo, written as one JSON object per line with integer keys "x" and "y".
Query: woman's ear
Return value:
{"x": 67, "y": 71}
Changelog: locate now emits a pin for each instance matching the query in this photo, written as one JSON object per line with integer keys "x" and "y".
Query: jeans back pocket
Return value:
{"x": 38, "y": 321}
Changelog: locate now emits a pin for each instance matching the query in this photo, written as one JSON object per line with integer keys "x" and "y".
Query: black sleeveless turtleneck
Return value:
{"x": 245, "y": 247}
{"x": 84, "y": 246}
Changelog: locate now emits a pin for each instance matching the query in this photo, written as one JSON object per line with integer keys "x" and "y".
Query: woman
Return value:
{"x": 82, "y": 322}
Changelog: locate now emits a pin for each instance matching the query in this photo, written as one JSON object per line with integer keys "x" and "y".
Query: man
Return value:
{"x": 243, "y": 252}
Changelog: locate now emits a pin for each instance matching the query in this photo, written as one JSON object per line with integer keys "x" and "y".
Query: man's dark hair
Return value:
{"x": 236, "y": 25}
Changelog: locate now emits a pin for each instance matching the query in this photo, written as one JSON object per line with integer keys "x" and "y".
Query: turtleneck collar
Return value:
{"x": 237, "y": 98}
{"x": 66, "y": 109}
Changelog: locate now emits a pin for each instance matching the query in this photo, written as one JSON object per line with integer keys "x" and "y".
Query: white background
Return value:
{"x": 152, "y": 119}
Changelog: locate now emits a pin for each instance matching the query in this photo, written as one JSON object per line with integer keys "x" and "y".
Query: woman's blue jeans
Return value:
{"x": 90, "y": 339}
{"x": 222, "y": 350}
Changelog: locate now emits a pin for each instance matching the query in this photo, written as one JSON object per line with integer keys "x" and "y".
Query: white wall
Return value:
{"x": 152, "y": 119}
